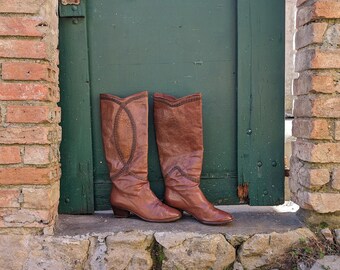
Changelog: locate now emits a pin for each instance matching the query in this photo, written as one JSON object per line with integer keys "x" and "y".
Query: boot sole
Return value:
{"x": 122, "y": 213}
{"x": 216, "y": 223}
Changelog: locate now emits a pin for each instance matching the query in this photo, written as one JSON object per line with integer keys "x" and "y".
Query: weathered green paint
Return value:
{"x": 76, "y": 147}
{"x": 176, "y": 47}
{"x": 72, "y": 11}
{"x": 261, "y": 99}
{"x": 231, "y": 51}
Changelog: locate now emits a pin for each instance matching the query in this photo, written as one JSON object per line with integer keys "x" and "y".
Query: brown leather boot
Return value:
{"x": 179, "y": 137}
{"x": 125, "y": 138}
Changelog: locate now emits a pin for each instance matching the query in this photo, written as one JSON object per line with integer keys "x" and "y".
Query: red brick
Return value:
{"x": 329, "y": 9}
{"x": 317, "y": 59}
{"x": 20, "y": 6}
{"x": 317, "y": 152}
{"x": 313, "y": 178}
{"x": 311, "y": 129}
{"x": 28, "y": 135}
{"x": 327, "y": 107}
{"x": 20, "y": 26}
{"x": 310, "y": 34}
{"x": 303, "y": 107}
{"x": 336, "y": 179}
{"x": 23, "y": 71}
{"x": 25, "y": 91}
{"x": 10, "y": 155}
{"x": 28, "y": 175}
{"x": 304, "y": 15}
{"x": 41, "y": 198}
{"x": 306, "y": 106}
{"x": 309, "y": 83}
{"x": 337, "y": 131}
{"x": 31, "y": 49}
{"x": 9, "y": 198}
{"x": 38, "y": 155}
{"x": 322, "y": 9}
{"x": 30, "y": 114}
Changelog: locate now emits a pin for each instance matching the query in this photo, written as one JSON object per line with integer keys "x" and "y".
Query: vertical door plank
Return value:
{"x": 261, "y": 99}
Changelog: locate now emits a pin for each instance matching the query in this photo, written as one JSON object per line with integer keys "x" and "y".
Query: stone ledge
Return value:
{"x": 258, "y": 237}
{"x": 248, "y": 220}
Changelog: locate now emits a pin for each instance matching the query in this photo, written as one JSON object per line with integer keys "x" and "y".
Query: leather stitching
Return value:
{"x": 178, "y": 103}
{"x": 123, "y": 106}
{"x": 182, "y": 173}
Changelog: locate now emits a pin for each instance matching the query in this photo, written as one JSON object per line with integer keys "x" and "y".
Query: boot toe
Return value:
{"x": 171, "y": 214}
{"x": 218, "y": 218}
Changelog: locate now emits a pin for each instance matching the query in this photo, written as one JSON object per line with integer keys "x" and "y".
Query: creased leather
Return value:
{"x": 124, "y": 124}
{"x": 179, "y": 135}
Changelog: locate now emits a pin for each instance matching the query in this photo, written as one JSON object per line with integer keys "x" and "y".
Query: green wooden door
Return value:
{"x": 176, "y": 47}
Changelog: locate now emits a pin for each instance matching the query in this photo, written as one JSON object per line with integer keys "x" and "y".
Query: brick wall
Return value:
{"x": 29, "y": 115}
{"x": 315, "y": 164}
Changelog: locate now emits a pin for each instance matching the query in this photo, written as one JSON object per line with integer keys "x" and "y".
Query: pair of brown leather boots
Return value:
{"x": 178, "y": 124}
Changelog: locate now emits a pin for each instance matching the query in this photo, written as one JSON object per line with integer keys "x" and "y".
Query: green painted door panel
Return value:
{"x": 76, "y": 147}
{"x": 261, "y": 99}
{"x": 176, "y": 47}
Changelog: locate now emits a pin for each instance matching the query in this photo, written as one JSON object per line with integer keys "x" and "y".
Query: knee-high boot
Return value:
{"x": 124, "y": 123}
{"x": 179, "y": 137}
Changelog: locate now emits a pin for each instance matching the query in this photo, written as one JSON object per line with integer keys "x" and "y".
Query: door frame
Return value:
{"x": 260, "y": 125}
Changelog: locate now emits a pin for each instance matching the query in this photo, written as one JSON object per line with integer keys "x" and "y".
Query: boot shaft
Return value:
{"x": 179, "y": 134}
{"x": 124, "y": 125}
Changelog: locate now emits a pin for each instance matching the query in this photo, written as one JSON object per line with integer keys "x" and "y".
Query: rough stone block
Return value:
{"x": 195, "y": 251}
{"x": 263, "y": 250}
{"x": 337, "y": 236}
{"x": 327, "y": 234}
{"x": 236, "y": 239}
{"x": 54, "y": 253}
{"x": 333, "y": 36}
{"x": 129, "y": 250}
{"x": 330, "y": 262}
{"x": 32, "y": 252}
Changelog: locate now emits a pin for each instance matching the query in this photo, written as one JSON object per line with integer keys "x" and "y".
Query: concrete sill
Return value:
{"x": 249, "y": 220}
